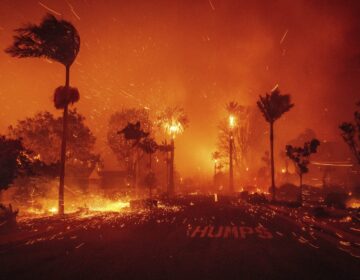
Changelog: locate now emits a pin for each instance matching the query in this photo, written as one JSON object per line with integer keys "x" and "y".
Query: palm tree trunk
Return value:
{"x": 231, "y": 168}
{"x": 171, "y": 178}
{"x": 63, "y": 149}
{"x": 150, "y": 170}
{"x": 301, "y": 189}
{"x": 272, "y": 160}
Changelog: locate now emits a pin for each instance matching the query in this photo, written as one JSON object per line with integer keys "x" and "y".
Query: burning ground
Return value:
{"x": 176, "y": 243}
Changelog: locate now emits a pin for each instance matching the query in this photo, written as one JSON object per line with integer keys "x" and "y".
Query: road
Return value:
{"x": 198, "y": 239}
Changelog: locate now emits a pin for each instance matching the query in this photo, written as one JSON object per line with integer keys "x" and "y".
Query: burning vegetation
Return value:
{"x": 81, "y": 177}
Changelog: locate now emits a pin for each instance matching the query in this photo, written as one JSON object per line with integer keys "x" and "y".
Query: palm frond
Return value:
{"x": 274, "y": 105}
{"x": 55, "y": 39}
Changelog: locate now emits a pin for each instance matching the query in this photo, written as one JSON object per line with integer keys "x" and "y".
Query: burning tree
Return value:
{"x": 173, "y": 120}
{"x": 301, "y": 158}
{"x": 57, "y": 40}
{"x": 351, "y": 134}
{"x": 273, "y": 106}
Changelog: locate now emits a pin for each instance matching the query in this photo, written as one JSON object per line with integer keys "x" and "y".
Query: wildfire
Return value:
{"x": 353, "y": 203}
{"x": 48, "y": 207}
{"x": 232, "y": 121}
{"x": 173, "y": 128}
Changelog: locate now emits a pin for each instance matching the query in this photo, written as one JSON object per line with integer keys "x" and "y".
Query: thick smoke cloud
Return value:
{"x": 199, "y": 54}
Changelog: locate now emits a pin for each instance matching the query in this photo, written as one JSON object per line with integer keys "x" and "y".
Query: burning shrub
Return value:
{"x": 63, "y": 96}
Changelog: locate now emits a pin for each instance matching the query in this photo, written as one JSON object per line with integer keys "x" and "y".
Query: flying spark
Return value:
{"x": 49, "y": 9}
{"x": 211, "y": 5}
{"x": 72, "y": 10}
{"x": 284, "y": 36}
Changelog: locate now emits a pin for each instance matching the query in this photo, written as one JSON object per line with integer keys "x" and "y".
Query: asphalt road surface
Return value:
{"x": 198, "y": 239}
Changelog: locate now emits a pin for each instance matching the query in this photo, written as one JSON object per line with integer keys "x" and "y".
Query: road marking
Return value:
{"x": 225, "y": 232}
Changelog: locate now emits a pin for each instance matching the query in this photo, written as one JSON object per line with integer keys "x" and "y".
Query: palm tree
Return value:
{"x": 57, "y": 40}
{"x": 273, "y": 106}
{"x": 233, "y": 109}
{"x": 173, "y": 120}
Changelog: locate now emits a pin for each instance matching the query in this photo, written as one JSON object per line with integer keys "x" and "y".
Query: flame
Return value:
{"x": 353, "y": 203}
{"x": 232, "y": 121}
{"x": 173, "y": 128}
{"x": 46, "y": 207}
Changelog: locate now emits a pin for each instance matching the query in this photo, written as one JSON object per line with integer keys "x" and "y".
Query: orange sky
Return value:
{"x": 198, "y": 54}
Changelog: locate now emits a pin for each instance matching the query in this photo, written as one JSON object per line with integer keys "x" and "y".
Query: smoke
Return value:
{"x": 196, "y": 55}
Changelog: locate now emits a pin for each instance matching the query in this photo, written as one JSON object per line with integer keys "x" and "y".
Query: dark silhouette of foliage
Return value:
{"x": 55, "y": 39}
{"x": 15, "y": 160}
{"x": 42, "y": 134}
{"x": 351, "y": 134}
{"x": 63, "y": 96}
{"x": 273, "y": 106}
{"x": 301, "y": 157}
{"x": 125, "y": 150}
{"x": 134, "y": 132}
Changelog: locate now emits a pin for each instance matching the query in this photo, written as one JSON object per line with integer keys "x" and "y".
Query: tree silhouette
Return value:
{"x": 57, "y": 40}
{"x": 42, "y": 135}
{"x": 273, "y": 106}
{"x": 15, "y": 160}
{"x": 351, "y": 134}
{"x": 301, "y": 158}
{"x": 127, "y": 154}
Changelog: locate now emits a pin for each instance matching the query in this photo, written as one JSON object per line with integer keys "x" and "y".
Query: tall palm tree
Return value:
{"x": 173, "y": 120}
{"x": 273, "y": 106}
{"x": 57, "y": 40}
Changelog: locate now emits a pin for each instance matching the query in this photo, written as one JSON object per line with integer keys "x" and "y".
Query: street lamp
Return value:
{"x": 232, "y": 123}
